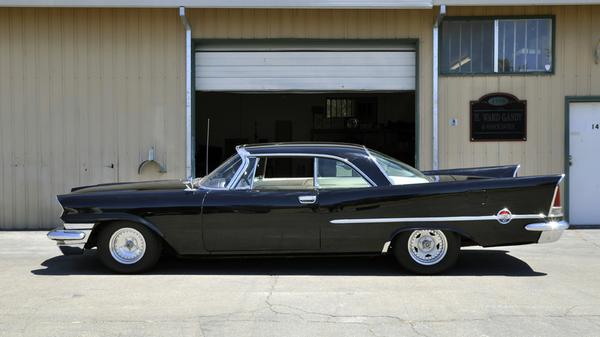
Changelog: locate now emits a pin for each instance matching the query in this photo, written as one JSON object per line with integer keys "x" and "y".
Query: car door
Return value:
{"x": 345, "y": 193}
{"x": 271, "y": 208}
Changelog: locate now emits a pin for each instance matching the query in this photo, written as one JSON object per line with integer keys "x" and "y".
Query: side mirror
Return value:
{"x": 190, "y": 184}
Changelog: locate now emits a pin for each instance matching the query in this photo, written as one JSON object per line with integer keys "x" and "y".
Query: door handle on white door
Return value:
{"x": 307, "y": 199}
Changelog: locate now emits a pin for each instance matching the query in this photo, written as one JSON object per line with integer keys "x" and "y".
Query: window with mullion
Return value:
{"x": 503, "y": 45}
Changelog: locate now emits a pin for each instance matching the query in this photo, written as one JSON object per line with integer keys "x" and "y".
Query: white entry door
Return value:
{"x": 584, "y": 170}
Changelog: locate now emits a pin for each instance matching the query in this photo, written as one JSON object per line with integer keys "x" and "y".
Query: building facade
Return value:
{"x": 96, "y": 95}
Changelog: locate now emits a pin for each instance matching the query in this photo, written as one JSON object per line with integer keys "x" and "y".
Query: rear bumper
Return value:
{"x": 72, "y": 235}
{"x": 550, "y": 231}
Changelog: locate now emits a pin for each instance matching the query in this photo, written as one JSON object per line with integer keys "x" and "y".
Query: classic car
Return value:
{"x": 312, "y": 198}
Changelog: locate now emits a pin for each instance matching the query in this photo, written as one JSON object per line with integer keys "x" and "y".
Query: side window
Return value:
{"x": 284, "y": 173}
{"x": 333, "y": 173}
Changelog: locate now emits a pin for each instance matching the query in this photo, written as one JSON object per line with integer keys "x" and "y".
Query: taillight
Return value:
{"x": 556, "y": 202}
{"x": 556, "y": 209}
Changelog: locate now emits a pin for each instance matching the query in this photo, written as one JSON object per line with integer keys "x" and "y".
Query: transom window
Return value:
{"x": 501, "y": 45}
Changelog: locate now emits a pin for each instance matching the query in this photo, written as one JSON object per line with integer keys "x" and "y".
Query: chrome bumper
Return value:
{"x": 551, "y": 231}
{"x": 72, "y": 235}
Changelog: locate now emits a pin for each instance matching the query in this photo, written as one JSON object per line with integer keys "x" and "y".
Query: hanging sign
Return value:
{"x": 498, "y": 117}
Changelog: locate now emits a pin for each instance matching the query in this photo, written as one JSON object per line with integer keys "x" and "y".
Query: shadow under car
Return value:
{"x": 480, "y": 262}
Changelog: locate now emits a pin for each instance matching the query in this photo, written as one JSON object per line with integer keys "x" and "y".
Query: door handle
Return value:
{"x": 307, "y": 199}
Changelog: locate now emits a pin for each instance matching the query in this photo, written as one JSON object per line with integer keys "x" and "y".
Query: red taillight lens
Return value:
{"x": 556, "y": 197}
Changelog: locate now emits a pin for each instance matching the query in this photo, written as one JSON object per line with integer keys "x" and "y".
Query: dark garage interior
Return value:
{"x": 382, "y": 121}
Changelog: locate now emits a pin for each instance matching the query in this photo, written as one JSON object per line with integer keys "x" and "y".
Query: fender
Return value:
{"x": 105, "y": 217}
{"x": 505, "y": 171}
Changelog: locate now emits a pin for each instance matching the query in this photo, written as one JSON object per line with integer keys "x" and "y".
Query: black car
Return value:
{"x": 312, "y": 198}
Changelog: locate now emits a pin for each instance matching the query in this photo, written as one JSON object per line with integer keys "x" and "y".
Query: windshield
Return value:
{"x": 222, "y": 175}
{"x": 398, "y": 172}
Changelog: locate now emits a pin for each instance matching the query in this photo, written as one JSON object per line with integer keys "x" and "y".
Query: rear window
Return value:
{"x": 398, "y": 172}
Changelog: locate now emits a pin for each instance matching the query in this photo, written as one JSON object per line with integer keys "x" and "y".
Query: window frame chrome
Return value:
{"x": 245, "y": 155}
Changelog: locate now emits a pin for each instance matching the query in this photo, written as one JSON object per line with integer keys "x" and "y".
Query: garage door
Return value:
{"x": 349, "y": 70}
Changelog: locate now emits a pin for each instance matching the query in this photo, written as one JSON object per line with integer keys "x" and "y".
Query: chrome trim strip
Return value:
{"x": 300, "y": 144}
{"x": 244, "y": 155}
{"x": 434, "y": 219}
{"x": 315, "y": 172}
{"x": 386, "y": 246}
{"x": 516, "y": 170}
{"x": 69, "y": 226}
{"x": 547, "y": 226}
{"x": 554, "y": 195}
{"x": 253, "y": 173}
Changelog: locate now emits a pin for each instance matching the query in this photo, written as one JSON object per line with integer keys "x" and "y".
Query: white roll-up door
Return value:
{"x": 353, "y": 70}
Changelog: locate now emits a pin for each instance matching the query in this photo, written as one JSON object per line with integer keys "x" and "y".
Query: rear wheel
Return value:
{"x": 127, "y": 247}
{"x": 426, "y": 251}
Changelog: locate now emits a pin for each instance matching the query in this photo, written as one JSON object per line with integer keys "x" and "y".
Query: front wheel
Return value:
{"x": 426, "y": 251}
{"x": 127, "y": 247}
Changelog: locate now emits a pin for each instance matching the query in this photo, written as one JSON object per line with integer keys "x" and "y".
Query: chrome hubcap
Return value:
{"x": 127, "y": 245}
{"x": 427, "y": 246}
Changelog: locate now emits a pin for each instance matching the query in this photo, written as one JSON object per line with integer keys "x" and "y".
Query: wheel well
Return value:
{"x": 93, "y": 239}
{"x": 464, "y": 239}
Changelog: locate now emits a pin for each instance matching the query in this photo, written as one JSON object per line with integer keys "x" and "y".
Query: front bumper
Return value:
{"x": 550, "y": 231}
{"x": 72, "y": 234}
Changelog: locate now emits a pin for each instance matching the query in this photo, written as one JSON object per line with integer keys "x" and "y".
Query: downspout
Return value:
{"x": 435, "y": 145}
{"x": 188, "y": 93}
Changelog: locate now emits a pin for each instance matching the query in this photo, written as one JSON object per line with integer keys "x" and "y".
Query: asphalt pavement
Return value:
{"x": 534, "y": 290}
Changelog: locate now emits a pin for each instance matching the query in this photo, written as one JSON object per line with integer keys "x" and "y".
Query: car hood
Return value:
{"x": 131, "y": 186}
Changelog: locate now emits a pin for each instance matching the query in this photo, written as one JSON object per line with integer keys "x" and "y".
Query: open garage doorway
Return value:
{"x": 383, "y": 121}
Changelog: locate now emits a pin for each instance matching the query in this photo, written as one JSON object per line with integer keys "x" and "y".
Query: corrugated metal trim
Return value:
{"x": 312, "y": 71}
{"x": 513, "y": 2}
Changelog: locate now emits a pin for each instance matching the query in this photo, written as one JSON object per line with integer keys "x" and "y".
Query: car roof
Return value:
{"x": 338, "y": 149}
{"x": 354, "y": 154}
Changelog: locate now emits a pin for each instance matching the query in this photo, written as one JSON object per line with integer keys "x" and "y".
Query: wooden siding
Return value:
{"x": 576, "y": 73}
{"x": 81, "y": 90}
